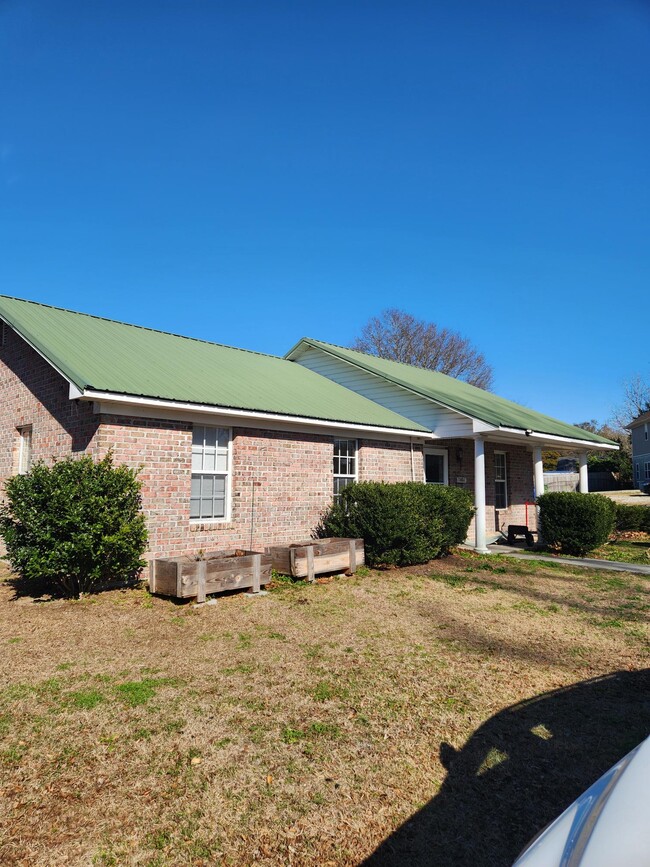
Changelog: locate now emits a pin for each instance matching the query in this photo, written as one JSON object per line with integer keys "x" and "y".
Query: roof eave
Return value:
{"x": 134, "y": 401}
{"x": 72, "y": 377}
{"x": 539, "y": 437}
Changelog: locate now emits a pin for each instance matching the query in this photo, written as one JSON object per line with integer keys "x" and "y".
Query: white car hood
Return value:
{"x": 608, "y": 826}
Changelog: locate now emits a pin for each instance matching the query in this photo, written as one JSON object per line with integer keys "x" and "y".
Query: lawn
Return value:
{"x": 474, "y": 697}
{"x": 635, "y": 549}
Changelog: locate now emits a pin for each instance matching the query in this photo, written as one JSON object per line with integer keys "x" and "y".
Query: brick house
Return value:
{"x": 240, "y": 449}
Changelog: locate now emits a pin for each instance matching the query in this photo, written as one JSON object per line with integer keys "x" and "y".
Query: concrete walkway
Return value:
{"x": 583, "y": 562}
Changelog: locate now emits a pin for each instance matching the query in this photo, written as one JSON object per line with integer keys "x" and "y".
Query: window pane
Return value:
{"x": 219, "y": 510}
{"x": 434, "y": 469}
{"x": 222, "y": 438}
{"x": 196, "y": 486}
{"x": 207, "y": 486}
{"x": 209, "y": 461}
{"x": 197, "y": 435}
{"x": 210, "y": 437}
{"x": 222, "y": 463}
{"x": 219, "y": 486}
{"x": 339, "y": 484}
{"x": 195, "y": 508}
{"x": 197, "y": 462}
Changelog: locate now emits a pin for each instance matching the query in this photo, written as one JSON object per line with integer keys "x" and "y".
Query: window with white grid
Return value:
{"x": 345, "y": 464}
{"x": 500, "y": 481}
{"x": 647, "y": 469}
{"x": 210, "y": 473}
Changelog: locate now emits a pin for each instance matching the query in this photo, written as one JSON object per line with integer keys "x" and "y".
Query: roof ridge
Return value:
{"x": 142, "y": 327}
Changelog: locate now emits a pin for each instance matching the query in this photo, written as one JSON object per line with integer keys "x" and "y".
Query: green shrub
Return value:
{"x": 576, "y": 523}
{"x": 403, "y": 523}
{"x": 74, "y": 525}
{"x": 632, "y": 518}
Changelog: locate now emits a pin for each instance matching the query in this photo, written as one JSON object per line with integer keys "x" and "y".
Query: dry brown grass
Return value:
{"x": 304, "y": 727}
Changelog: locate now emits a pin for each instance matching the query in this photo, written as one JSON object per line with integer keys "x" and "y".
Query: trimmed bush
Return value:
{"x": 636, "y": 518}
{"x": 402, "y": 523}
{"x": 576, "y": 523}
{"x": 74, "y": 525}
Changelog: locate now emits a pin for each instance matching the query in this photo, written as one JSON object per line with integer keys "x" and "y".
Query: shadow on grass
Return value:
{"x": 519, "y": 771}
{"x": 42, "y": 591}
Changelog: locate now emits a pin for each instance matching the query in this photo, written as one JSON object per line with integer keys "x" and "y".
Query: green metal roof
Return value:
{"x": 104, "y": 355}
{"x": 457, "y": 395}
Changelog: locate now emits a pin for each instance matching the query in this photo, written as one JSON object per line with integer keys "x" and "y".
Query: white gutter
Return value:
{"x": 535, "y": 436}
{"x": 156, "y": 403}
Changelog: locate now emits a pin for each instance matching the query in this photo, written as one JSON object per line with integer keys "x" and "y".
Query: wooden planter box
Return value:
{"x": 185, "y": 577}
{"x": 308, "y": 559}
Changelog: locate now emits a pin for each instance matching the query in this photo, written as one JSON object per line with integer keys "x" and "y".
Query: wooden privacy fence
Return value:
{"x": 561, "y": 482}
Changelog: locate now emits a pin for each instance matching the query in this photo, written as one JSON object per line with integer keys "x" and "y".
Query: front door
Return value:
{"x": 435, "y": 467}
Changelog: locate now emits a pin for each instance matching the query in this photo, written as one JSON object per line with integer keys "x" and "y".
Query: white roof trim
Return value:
{"x": 478, "y": 425}
{"x": 135, "y": 401}
{"x": 536, "y": 436}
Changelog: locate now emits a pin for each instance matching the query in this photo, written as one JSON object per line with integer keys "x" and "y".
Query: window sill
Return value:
{"x": 208, "y": 523}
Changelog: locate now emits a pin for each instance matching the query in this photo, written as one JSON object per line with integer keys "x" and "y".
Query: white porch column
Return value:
{"x": 539, "y": 471}
{"x": 583, "y": 484}
{"x": 538, "y": 464}
{"x": 479, "y": 495}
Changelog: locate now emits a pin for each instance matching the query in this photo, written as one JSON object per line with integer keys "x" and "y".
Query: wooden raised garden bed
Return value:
{"x": 217, "y": 571}
{"x": 316, "y": 556}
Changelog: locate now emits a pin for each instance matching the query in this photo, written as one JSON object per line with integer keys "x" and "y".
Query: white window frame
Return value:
{"x": 637, "y": 471}
{"x": 503, "y": 481}
{"x": 24, "y": 449}
{"x": 352, "y": 477}
{"x": 225, "y": 474}
{"x": 647, "y": 470}
{"x": 444, "y": 453}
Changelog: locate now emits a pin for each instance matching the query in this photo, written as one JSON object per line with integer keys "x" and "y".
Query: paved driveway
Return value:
{"x": 630, "y": 498}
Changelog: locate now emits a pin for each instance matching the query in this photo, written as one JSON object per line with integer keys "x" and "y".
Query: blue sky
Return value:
{"x": 253, "y": 172}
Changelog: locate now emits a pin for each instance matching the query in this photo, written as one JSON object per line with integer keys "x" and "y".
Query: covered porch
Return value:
{"x": 504, "y": 471}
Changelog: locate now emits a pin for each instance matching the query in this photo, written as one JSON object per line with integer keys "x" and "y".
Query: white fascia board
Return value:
{"x": 552, "y": 439}
{"x": 482, "y": 426}
{"x": 121, "y": 404}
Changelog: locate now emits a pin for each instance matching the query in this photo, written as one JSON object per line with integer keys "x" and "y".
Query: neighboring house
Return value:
{"x": 244, "y": 450}
{"x": 639, "y": 430}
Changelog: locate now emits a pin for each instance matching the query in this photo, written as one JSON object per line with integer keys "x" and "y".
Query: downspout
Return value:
{"x": 412, "y": 461}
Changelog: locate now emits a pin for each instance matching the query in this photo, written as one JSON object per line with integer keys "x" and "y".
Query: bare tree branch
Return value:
{"x": 398, "y": 336}
{"x": 636, "y": 400}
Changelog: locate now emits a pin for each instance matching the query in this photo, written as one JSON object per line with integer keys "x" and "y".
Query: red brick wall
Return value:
{"x": 381, "y": 461}
{"x": 289, "y": 475}
{"x": 32, "y": 393}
